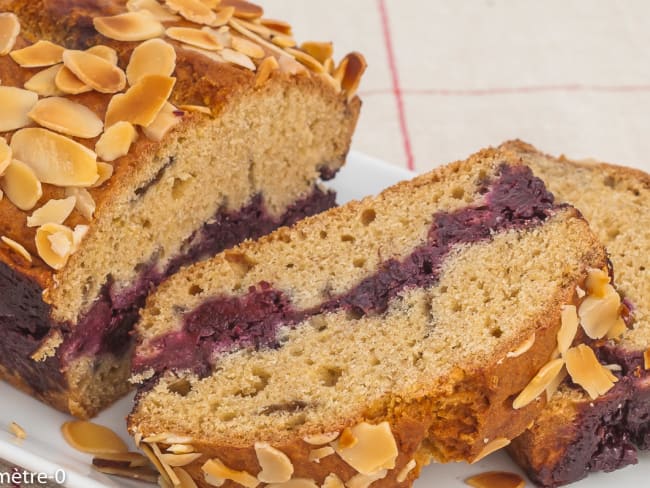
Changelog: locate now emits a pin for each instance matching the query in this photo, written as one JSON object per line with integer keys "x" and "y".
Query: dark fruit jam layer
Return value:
{"x": 515, "y": 199}
{"x": 25, "y": 318}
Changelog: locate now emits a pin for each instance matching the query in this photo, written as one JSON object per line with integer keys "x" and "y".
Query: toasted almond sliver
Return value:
{"x": 585, "y": 370}
{"x": 176, "y": 460}
{"x": 202, "y": 109}
{"x": 53, "y": 212}
{"x": 310, "y": 62}
{"x": 55, "y": 244}
{"x": 185, "y": 479}
{"x": 646, "y": 359}
{"x": 618, "y": 329}
{"x": 67, "y": 117}
{"x": 16, "y": 104}
{"x": 374, "y": 450}
{"x": 405, "y": 471}
{"x": 243, "y": 10}
{"x": 495, "y": 445}
{"x": 321, "y": 439}
{"x": 116, "y": 141}
{"x": 355, "y": 67}
{"x": 154, "y": 8}
{"x": 21, "y": 185}
{"x": 241, "y": 27}
{"x": 538, "y": 384}
{"x": 78, "y": 235}
{"x": 142, "y": 102}
{"x": 168, "y": 438}
{"x": 524, "y": 347}
{"x": 216, "y": 469}
{"x": 195, "y": 37}
{"x": 555, "y": 384}
{"x": 105, "y": 171}
{"x": 599, "y": 314}
{"x": 94, "y": 71}
{"x": 213, "y": 55}
{"x": 85, "y": 204}
{"x": 43, "y": 82}
{"x": 333, "y": 481}
{"x": 315, "y": 455}
{"x": 283, "y": 41}
{"x": 496, "y": 479}
{"x": 568, "y": 329}
{"x": 166, "y": 119}
{"x": 9, "y": 30}
{"x": 277, "y": 25}
{"x": 106, "y": 53}
{"x": 192, "y": 10}
{"x": 365, "y": 480}
{"x": 276, "y": 465}
{"x": 17, "y": 248}
{"x": 92, "y": 438}
{"x": 130, "y": 26}
{"x": 128, "y": 459}
{"x": 249, "y": 48}
{"x": 39, "y": 54}
{"x": 152, "y": 57}
{"x": 290, "y": 66}
{"x": 321, "y": 51}
{"x": 180, "y": 448}
{"x": 148, "y": 451}
{"x": 265, "y": 69}
{"x": 66, "y": 81}
{"x": 55, "y": 159}
{"x": 596, "y": 282}
{"x": 223, "y": 16}
{"x": 5, "y": 155}
{"x": 237, "y": 58}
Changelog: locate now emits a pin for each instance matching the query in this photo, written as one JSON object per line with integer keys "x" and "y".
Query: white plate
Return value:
{"x": 45, "y": 451}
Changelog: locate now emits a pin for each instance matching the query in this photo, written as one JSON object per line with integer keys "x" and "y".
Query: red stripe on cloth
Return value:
{"x": 481, "y": 92}
{"x": 397, "y": 91}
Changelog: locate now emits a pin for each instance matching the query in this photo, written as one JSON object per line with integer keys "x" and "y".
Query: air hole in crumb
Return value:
{"x": 195, "y": 290}
{"x": 240, "y": 263}
{"x": 609, "y": 181}
{"x": 359, "y": 262}
{"x": 155, "y": 311}
{"x": 329, "y": 376}
{"x": 374, "y": 361}
{"x": 456, "y": 307}
{"x": 284, "y": 237}
{"x": 146, "y": 224}
{"x": 318, "y": 322}
{"x": 634, "y": 191}
{"x": 496, "y": 332}
{"x": 323, "y": 234}
{"x": 178, "y": 188}
{"x": 613, "y": 233}
{"x": 227, "y": 416}
{"x": 181, "y": 387}
{"x": 354, "y": 314}
{"x": 347, "y": 238}
{"x": 368, "y": 216}
{"x": 289, "y": 266}
{"x": 458, "y": 193}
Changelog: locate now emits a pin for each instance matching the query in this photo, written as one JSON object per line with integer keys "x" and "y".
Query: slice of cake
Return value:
{"x": 154, "y": 135}
{"x": 359, "y": 344}
{"x": 575, "y": 434}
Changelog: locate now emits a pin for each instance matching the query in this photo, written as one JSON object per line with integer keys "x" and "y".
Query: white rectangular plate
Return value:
{"x": 44, "y": 450}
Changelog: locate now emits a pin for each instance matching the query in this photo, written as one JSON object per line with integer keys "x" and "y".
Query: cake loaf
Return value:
{"x": 136, "y": 137}
{"x": 576, "y": 434}
{"x": 359, "y": 344}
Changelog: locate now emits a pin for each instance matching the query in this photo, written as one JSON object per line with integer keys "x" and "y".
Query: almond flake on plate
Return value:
{"x": 9, "y": 30}
{"x": 16, "y": 104}
{"x": 158, "y": 11}
{"x": 152, "y": 57}
{"x": 53, "y": 212}
{"x": 38, "y": 55}
{"x": 142, "y": 102}
{"x": 20, "y": 185}
{"x": 67, "y": 117}
{"x": 94, "y": 71}
{"x": 92, "y": 438}
{"x": 130, "y": 26}
{"x": 43, "y": 82}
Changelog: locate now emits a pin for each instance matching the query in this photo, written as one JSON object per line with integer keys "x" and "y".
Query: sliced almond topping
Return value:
{"x": 321, "y": 439}
{"x": 585, "y": 370}
{"x": 307, "y": 60}
{"x": 130, "y": 26}
{"x": 17, "y": 430}
{"x": 16, "y": 104}
{"x": 538, "y": 384}
{"x": 321, "y": 51}
{"x": 208, "y": 54}
{"x": 260, "y": 29}
{"x": 365, "y": 480}
{"x": 599, "y": 314}
{"x": 243, "y": 10}
{"x": 223, "y": 16}
{"x": 618, "y": 329}
{"x": 555, "y": 384}
{"x": 143, "y": 473}
{"x": 374, "y": 450}
{"x": 185, "y": 479}
{"x": 524, "y": 347}
{"x": 295, "y": 483}
{"x": 290, "y": 66}
{"x": 175, "y": 460}
{"x": 333, "y": 481}
{"x": 67, "y": 117}
{"x": 347, "y": 439}
{"x": 153, "y": 57}
{"x": 17, "y": 248}
{"x": 43, "y": 82}
{"x": 55, "y": 244}
{"x": 116, "y": 141}
{"x": 192, "y": 10}
{"x": 105, "y": 171}
{"x": 180, "y": 448}
{"x": 169, "y": 438}
{"x": 158, "y": 11}
{"x": 5, "y": 155}
{"x": 94, "y": 71}
{"x": 39, "y": 54}
{"x": 283, "y": 41}
{"x": 496, "y": 479}
{"x": 164, "y": 477}
{"x": 195, "y": 37}
{"x": 142, "y": 102}
{"x": 106, "y": 53}
{"x": 123, "y": 459}
{"x": 596, "y": 282}
{"x": 646, "y": 359}
{"x": 240, "y": 26}
{"x": 247, "y": 47}
{"x": 495, "y": 445}
{"x": 21, "y": 185}
{"x": 220, "y": 472}
{"x": 66, "y": 81}
{"x": 166, "y": 119}
{"x": 166, "y": 467}
{"x": 237, "y": 58}
{"x": 78, "y": 235}
{"x": 84, "y": 202}
{"x": 9, "y": 30}
{"x": 406, "y": 470}
{"x": 276, "y": 466}
{"x": 315, "y": 455}
{"x": 92, "y": 438}
{"x": 54, "y": 211}
{"x": 265, "y": 69}
{"x": 55, "y": 159}
{"x": 196, "y": 108}
{"x": 354, "y": 68}
{"x": 277, "y": 25}
{"x": 568, "y": 329}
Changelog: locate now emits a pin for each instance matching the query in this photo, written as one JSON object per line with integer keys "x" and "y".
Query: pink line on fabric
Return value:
{"x": 481, "y": 92}
{"x": 396, "y": 90}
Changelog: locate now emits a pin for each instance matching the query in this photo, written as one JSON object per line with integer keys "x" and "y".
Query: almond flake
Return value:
{"x": 21, "y": 185}
{"x": 276, "y": 465}
{"x": 238, "y": 59}
{"x": 17, "y": 248}
{"x": 278, "y": 25}
{"x": 598, "y": 314}
{"x": 238, "y": 25}
{"x": 555, "y": 384}
{"x": 152, "y": 57}
{"x": 43, "y": 82}
{"x": 212, "y": 55}
{"x": 185, "y": 479}
{"x": 78, "y": 235}
{"x": 295, "y": 483}
{"x": 247, "y": 47}
{"x": 365, "y": 480}
{"x": 374, "y": 450}
{"x": 618, "y": 329}
{"x": 260, "y": 29}
{"x": 223, "y": 16}
{"x": 495, "y": 445}
{"x": 333, "y": 481}
{"x": 116, "y": 141}
{"x": 524, "y": 347}
{"x": 94, "y": 71}
{"x": 283, "y": 41}
{"x": 202, "y": 109}
{"x": 105, "y": 171}
{"x": 538, "y": 384}
{"x": 67, "y": 117}
{"x": 128, "y": 459}
{"x": 55, "y": 244}
{"x": 169, "y": 438}
{"x": 243, "y": 10}
{"x": 106, "y": 53}
{"x": 39, "y": 54}
{"x": 9, "y": 30}
{"x": 496, "y": 479}
{"x": 354, "y": 68}
{"x": 166, "y": 119}
{"x": 315, "y": 455}
{"x": 192, "y": 10}
{"x": 216, "y": 469}
{"x": 16, "y": 104}
{"x": 646, "y": 359}
{"x": 55, "y": 159}
{"x": 130, "y": 26}
{"x": 265, "y": 69}
{"x": 66, "y": 81}
{"x": 53, "y": 212}
{"x": 166, "y": 467}
{"x": 321, "y": 51}
{"x": 176, "y": 460}
{"x": 321, "y": 439}
{"x": 142, "y": 102}
{"x": 194, "y": 37}
{"x": 306, "y": 60}
{"x": 585, "y": 370}
{"x": 406, "y": 470}
{"x": 154, "y": 8}
{"x": 164, "y": 476}
{"x": 568, "y": 329}
{"x": 596, "y": 282}
{"x": 5, "y": 155}
{"x": 290, "y": 66}
{"x": 180, "y": 448}
{"x": 84, "y": 202}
